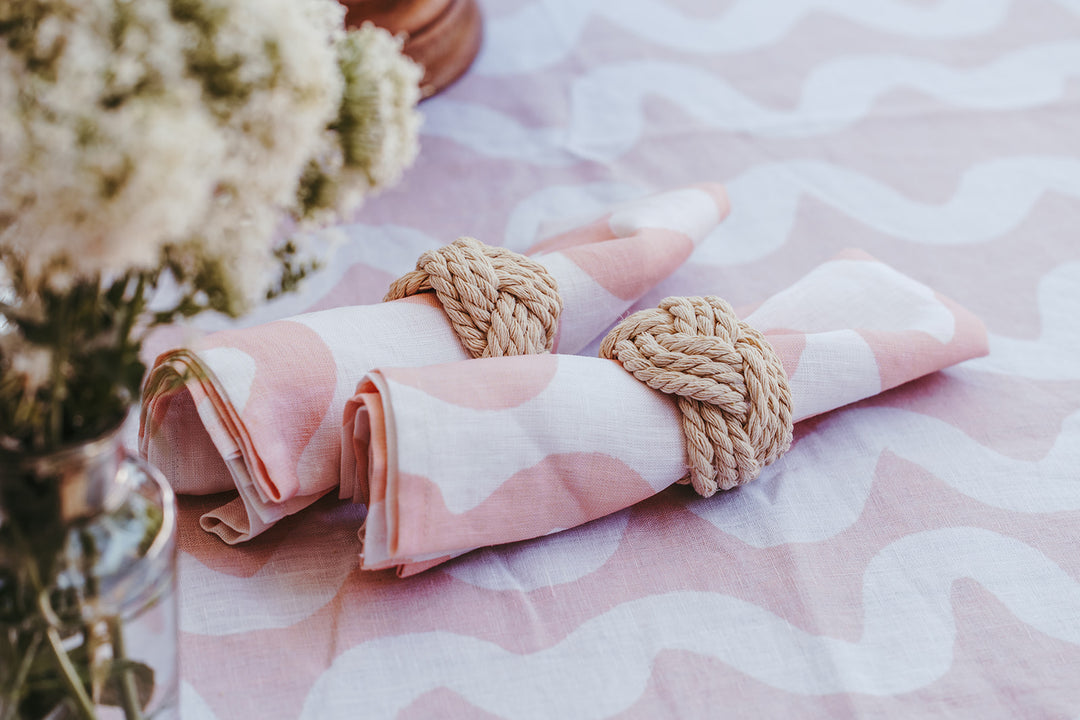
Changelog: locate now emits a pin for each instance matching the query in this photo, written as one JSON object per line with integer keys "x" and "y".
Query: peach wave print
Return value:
{"x": 505, "y": 385}
{"x": 561, "y": 491}
{"x": 279, "y": 395}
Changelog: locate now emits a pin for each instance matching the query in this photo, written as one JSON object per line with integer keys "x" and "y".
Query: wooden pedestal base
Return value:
{"x": 442, "y": 35}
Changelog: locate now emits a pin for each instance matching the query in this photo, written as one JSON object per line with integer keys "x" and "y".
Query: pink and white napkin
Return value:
{"x": 258, "y": 411}
{"x": 462, "y": 455}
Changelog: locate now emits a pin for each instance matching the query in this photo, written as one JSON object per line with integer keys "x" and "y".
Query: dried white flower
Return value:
{"x": 159, "y": 145}
{"x": 374, "y": 137}
{"x": 131, "y": 128}
{"x": 32, "y": 363}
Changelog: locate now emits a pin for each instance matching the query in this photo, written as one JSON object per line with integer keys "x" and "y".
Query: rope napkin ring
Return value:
{"x": 729, "y": 383}
{"x": 498, "y": 301}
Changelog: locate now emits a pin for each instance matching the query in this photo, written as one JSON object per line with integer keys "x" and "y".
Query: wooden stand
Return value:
{"x": 442, "y": 35}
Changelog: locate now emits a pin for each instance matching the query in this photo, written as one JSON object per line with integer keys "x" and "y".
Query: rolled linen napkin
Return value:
{"x": 463, "y": 455}
{"x": 259, "y": 410}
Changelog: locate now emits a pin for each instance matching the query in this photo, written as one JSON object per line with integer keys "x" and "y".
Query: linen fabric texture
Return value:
{"x": 458, "y": 456}
{"x": 258, "y": 411}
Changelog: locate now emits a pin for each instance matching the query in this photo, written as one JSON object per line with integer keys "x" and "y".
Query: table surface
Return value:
{"x": 913, "y": 556}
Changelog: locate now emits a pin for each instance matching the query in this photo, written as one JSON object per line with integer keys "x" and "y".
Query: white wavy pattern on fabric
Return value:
{"x": 557, "y": 559}
{"x": 606, "y": 102}
{"x": 1055, "y": 355}
{"x": 298, "y": 579}
{"x": 543, "y": 33}
{"x": 603, "y": 666}
{"x": 493, "y": 134}
{"x": 557, "y": 208}
{"x": 481, "y": 467}
{"x": 193, "y": 704}
{"x": 890, "y": 300}
{"x": 820, "y": 488}
{"x": 991, "y": 198}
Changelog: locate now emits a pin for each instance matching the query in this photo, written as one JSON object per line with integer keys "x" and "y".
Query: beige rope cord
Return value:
{"x": 729, "y": 383}
{"x": 498, "y": 301}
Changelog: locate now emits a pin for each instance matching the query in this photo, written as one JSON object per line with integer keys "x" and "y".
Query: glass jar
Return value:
{"x": 88, "y": 621}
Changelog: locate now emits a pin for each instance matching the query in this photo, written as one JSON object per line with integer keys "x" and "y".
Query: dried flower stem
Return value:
{"x": 23, "y": 672}
{"x": 129, "y": 692}
{"x": 68, "y": 672}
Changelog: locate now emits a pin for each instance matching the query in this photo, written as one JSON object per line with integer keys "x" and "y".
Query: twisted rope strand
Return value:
{"x": 730, "y": 386}
{"x": 498, "y": 301}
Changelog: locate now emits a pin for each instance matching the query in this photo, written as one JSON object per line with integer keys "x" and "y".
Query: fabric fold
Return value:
{"x": 257, "y": 412}
{"x": 463, "y": 455}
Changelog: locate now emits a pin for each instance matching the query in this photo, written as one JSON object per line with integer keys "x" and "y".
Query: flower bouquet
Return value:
{"x": 151, "y": 154}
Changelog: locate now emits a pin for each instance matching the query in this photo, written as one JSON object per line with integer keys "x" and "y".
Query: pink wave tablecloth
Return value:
{"x": 913, "y": 556}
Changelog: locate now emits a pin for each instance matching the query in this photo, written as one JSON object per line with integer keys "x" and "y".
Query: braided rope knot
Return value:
{"x": 498, "y": 301}
{"x": 729, "y": 383}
